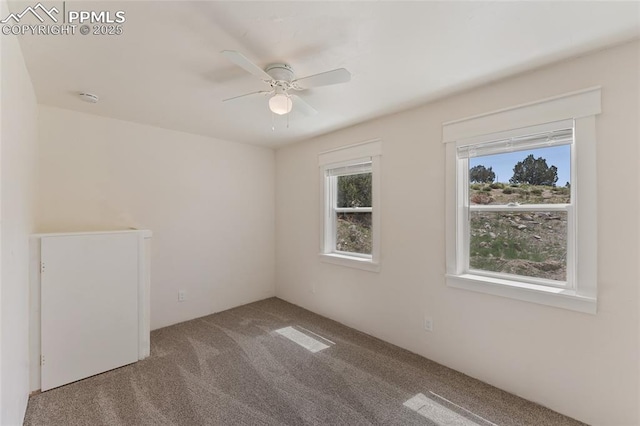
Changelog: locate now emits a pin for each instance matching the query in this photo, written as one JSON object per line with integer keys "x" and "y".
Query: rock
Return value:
{"x": 550, "y": 266}
{"x": 527, "y": 217}
{"x": 487, "y": 226}
{"x": 522, "y": 227}
{"x": 505, "y": 244}
{"x": 537, "y": 237}
{"x": 492, "y": 235}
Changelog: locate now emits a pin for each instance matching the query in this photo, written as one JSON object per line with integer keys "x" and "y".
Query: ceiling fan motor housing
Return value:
{"x": 282, "y": 74}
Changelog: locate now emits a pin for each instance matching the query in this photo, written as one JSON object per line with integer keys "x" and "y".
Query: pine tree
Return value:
{"x": 534, "y": 171}
{"x": 481, "y": 174}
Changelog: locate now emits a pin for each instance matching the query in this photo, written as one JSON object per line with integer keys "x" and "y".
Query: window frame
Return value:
{"x": 365, "y": 152}
{"x": 463, "y": 185}
{"x": 580, "y": 292}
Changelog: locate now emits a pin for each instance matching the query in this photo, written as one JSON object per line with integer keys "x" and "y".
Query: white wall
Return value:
{"x": 209, "y": 203}
{"x": 581, "y": 365}
{"x": 18, "y": 144}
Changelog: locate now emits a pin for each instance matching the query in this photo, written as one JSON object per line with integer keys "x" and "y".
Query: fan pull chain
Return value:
{"x": 273, "y": 124}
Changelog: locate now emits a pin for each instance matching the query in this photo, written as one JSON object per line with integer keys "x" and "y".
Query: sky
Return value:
{"x": 503, "y": 164}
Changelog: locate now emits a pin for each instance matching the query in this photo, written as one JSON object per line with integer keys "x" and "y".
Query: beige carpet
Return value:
{"x": 272, "y": 363}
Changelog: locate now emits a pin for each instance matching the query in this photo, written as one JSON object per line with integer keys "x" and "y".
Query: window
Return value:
{"x": 350, "y": 221}
{"x": 350, "y": 211}
{"x": 522, "y": 202}
{"x": 518, "y": 219}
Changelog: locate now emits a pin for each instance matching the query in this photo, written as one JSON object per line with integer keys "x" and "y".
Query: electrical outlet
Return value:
{"x": 182, "y": 295}
{"x": 428, "y": 324}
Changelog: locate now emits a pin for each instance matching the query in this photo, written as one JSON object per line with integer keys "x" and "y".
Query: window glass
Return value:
{"x": 354, "y": 232}
{"x": 533, "y": 176}
{"x": 353, "y": 227}
{"x": 354, "y": 190}
{"x": 504, "y": 235}
{"x": 533, "y": 244}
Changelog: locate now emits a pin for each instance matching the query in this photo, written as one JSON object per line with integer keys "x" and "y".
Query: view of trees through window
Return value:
{"x": 505, "y": 237}
{"x": 354, "y": 213}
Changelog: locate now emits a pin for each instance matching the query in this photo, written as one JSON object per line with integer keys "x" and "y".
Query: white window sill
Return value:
{"x": 350, "y": 261}
{"x": 557, "y": 297}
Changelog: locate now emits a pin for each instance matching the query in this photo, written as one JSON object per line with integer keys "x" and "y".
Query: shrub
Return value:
{"x": 507, "y": 191}
{"x": 496, "y": 185}
{"x": 536, "y": 191}
{"x": 476, "y": 186}
{"x": 487, "y": 189}
{"x": 354, "y": 190}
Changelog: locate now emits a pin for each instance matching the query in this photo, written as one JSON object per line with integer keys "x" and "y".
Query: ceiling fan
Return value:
{"x": 282, "y": 80}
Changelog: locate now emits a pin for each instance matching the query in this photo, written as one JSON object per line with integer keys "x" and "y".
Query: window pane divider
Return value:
{"x": 519, "y": 207}
{"x": 353, "y": 209}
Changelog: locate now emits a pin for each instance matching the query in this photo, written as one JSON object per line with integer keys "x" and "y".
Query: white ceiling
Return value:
{"x": 166, "y": 69}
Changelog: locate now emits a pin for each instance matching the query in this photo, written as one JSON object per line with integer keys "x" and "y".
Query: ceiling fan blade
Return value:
{"x": 261, "y": 92}
{"x": 243, "y": 62}
{"x": 340, "y": 75}
{"x": 300, "y": 105}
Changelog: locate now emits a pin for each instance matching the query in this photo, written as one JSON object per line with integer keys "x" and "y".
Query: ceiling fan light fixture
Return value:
{"x": 280, "y": 104}
{"x": 281, "y": 80}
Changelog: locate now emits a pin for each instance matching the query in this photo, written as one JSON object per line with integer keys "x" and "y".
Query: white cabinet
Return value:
{"x": 93, "y": 304}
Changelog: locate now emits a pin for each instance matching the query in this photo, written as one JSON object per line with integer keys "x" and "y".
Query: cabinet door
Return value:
{"x": 89, "y": 306}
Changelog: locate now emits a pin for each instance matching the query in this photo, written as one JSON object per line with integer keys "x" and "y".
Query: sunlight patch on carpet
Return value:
{"x": 441, "y": 415}
{"x": 307, "y": 342}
